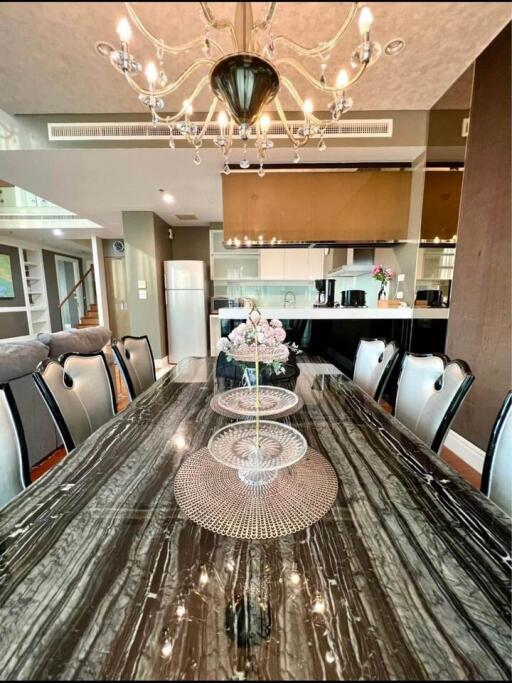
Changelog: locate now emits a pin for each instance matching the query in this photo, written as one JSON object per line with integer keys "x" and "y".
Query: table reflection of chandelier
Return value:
{"x": 245, "y": 80}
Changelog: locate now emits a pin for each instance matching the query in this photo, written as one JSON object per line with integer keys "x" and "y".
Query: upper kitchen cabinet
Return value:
{"x": 441, "y": 201}
{"x": 312, "y": 207}
{"x": 277, "y": 263}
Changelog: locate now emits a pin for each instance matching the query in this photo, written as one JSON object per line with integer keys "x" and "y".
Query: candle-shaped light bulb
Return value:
{"x": 151, "y": 73}
{"x": 203, "y": 577}
{"x": 222, "y": 119}
{"x": 308, "y": 107}
{"x": 187, "y": 106}
{"x": 342, "y": 79}
{"x": 124, "y": 31}
{"x": 318, "y": 605}
{"x": 265, "y": 122}
{"x": 365, "y": 20}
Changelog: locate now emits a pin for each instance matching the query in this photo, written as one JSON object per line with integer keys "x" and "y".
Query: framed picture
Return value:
{"x": 6, "y": 283}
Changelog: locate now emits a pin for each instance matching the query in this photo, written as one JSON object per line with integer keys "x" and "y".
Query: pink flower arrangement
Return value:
{"x": 268, "y": 336}
{"x": 382, "y": 274}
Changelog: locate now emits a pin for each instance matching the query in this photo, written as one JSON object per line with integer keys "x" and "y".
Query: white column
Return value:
{"x": 100, "y": 280}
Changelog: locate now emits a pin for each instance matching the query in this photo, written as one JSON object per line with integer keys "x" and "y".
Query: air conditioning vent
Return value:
{"x": 127, "y": 130}
{"x": 186, "y": 216}
{"x": 38, "y": 217}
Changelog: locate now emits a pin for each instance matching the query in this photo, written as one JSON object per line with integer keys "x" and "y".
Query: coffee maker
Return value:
{"x": 324, "y": 293}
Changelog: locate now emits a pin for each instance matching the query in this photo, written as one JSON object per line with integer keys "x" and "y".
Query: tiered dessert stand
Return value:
{"x": 257, "y": 478}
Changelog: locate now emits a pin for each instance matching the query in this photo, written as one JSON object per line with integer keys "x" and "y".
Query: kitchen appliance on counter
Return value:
{"x": 324, "y": 293}
{"x": 186, "y": 292}
{"x": 217, "y": 302}
{"x": 353, "y": 298}
{"x": 432, "y": 298}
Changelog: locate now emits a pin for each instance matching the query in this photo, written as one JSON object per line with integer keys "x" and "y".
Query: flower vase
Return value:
{"x": 382, "y": 292}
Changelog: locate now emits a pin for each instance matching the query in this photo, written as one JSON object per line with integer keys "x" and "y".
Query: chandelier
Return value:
{"x": 245, "y": 81}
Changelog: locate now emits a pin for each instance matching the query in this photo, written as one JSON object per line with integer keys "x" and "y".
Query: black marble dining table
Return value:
{"x": 103, "y": 577}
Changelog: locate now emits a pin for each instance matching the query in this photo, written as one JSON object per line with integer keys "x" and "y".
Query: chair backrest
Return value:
{"x": 136, "y": 362}
{"x": 430, "y": 391}
{"x": 14, "y": 465}
{"x": 497, "y": 471}
{"x": 375, "y": 360}
{"x": 79, "y": 393}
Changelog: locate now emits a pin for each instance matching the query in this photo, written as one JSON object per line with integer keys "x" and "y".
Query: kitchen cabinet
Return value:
{"x": 235, "y": 266}
{"x": 272, "y": 264}
{"x": 441, "y": 201}
{"x": 296, "y": 264}
{"x": 310, "y": 207}
{"x": 315, "y": 264}
{"x": 291, "y": 264}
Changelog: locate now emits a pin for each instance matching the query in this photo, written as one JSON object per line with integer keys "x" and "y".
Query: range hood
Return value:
{"x": 351, "y": 262}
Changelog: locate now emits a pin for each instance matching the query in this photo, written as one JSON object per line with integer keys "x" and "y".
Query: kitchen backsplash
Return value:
{"x": 296, "y": 295}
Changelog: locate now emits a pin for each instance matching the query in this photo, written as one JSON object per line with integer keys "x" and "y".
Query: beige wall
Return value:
{"x": 146, "y": 247}
{"x": 479, "y": 328}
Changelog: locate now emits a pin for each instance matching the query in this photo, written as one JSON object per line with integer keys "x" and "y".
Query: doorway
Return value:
{"x": 68, "y": 275}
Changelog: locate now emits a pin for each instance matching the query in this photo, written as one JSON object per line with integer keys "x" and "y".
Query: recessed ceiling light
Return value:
{"x": 58, "y": 232}
{"x": 167, "y": 197}
{"x": 394, "y": 47}
{"x": 104, "y": 49}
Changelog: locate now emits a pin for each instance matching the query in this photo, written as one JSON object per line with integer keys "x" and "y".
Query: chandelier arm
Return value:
{"x": 181, "y": 112}
{"x": 219, "y": 25}
{"x": 265, "y": 23}
{"x": 159, "y": 43}
{"x": 297, "y": 142}
{"x": 194, "y": 140}
{"x": 316, "y": 83}
{"x": 293, "y": 92}
{"x": 322, "y": 47}
{"x": 171, "y": 87}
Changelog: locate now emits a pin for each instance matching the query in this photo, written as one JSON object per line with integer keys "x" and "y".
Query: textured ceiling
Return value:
{"x": 458, "y": 95}
{"x": 48, "y": 63}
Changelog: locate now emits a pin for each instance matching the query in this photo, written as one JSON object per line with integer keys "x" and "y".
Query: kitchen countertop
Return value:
{"x": 311, "y": 313}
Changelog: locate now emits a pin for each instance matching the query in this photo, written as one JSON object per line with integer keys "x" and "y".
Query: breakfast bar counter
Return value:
{"x": 325, "y": 313}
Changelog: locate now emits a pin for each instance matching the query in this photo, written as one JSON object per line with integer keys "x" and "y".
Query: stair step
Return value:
{"x": 90, "y": 322}
{"x": 81, "y": 325}
{"x": 93, "y": 307}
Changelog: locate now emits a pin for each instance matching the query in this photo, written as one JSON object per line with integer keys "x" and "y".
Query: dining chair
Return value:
{"x": 135, "y": 359}
{"x": 15, "y": 468}
{"x": 497, "y": 471}
{"x": 430, "y": 391}
{"x": 375, "y": 360}
{"x": 79, "y": 393}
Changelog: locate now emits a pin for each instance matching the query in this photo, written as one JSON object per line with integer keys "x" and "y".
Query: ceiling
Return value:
{"x": 67, "y": 76}
{"x": 46, "y": 238}
{"x": 99, "y": 184}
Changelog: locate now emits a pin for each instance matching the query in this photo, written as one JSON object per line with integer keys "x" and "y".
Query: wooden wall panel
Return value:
{"x": 363, "y": 205}
{"x": 441, "y": 202}
{"x": 479, "y": 327}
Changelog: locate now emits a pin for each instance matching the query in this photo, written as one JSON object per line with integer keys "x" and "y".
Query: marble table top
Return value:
{"x": 102, "y": 577}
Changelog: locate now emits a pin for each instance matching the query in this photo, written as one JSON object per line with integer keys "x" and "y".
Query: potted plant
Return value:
{"x": 383, "y": 275}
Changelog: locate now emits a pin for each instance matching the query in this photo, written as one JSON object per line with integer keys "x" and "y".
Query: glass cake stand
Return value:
{"x": 257, "y": 448}
{"x": 267, "y": 400}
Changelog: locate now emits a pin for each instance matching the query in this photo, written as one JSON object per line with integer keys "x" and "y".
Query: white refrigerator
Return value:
{"x": 186, "y": 301}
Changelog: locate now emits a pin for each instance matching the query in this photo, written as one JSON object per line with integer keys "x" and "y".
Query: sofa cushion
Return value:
{"x": 18, "y": 359}
{"x": 85, "y": 340}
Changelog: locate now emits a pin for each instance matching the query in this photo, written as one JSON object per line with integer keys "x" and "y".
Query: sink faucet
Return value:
{"x": 289, "y": 299}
